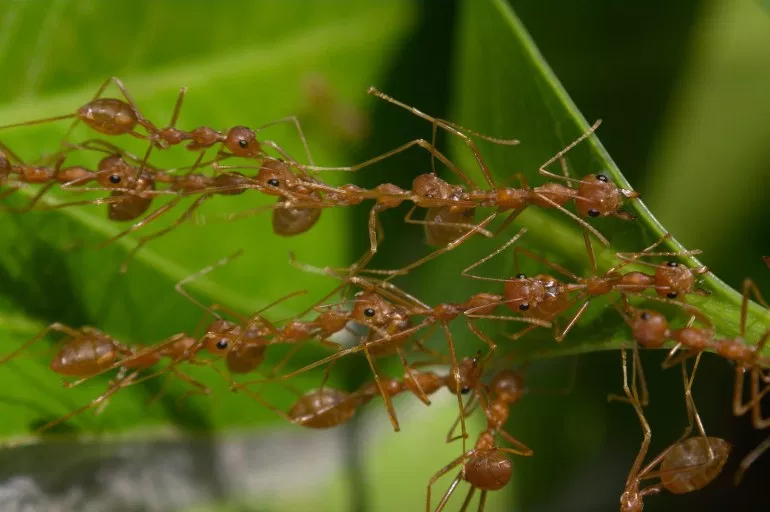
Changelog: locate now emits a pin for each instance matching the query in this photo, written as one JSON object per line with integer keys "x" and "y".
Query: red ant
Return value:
{"x": 687, "y": 465}
{"x": 88, "y": 352}
{"x": 112, "y": 116}
{"x": 596, "y": 195}
{"x": 651, "y": 329}
{"x": 328, "y": 407}
{"x": 386, "y": 310}
{"x": 545, "y": 297}
{"x": 486, "y": 466}
{"x": 132, "y": 189}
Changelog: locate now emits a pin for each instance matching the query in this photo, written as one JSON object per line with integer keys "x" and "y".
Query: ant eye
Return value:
{"x": 645, "y": 316}
{"x": 222, "y": 344}
{"x": 602, "y": 177}
{"x": 243, "y": 143}
{"x": 593, "y": 213}
{"x": 671, "y": 295}
{"x": 524, "y": 307}
{"x": 273, "y": 182}
{"x": 369, "y": 312}
{"x": 465, "y": 390}
{"x": 114, "y": 178}
{"x": 672, "y": 264}
{"x": 521, "y": 276}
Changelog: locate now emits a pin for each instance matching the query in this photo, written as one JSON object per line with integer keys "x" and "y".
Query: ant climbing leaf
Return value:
{"x": 504, "y": 88}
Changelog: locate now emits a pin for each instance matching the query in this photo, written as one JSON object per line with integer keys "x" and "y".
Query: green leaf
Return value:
{"x": 504, "y": 88}
{"x": 241, "y": 66}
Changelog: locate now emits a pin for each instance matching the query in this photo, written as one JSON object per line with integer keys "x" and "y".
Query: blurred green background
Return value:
{"x": 681, "y": 88}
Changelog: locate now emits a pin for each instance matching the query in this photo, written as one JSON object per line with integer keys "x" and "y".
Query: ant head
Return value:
{"x": 220, "y": 335}
{"x": 520, "y": 293}
{"x": 275, "y": 176}
{"x": 649, "y": 328}
{"x": 242, "y": 141}
{"x": 371, "y": 309}
{"x": 673, "y": 280}
{"x": 115, "y": 173}
{"x": 598, "y": 196}
{"x": 469, "y": 370}
{"x": 509, "y": 386}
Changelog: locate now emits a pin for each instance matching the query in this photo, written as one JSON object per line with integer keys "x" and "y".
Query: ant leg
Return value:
{"x": 179, "y": 287}
{"x": 469, "y": 497}
{"x": 455, "y": 129}
{"x": 464, "y": 225}
{"x": 417, "y": 142}
{"x": 632, "y": 397}
{"x": 574, "y": 319}
{"x": 749, "y": 459}
{"x": 465, "y": 272}
{"x": 456, "y": 372}
{"x": 160, "y": 211}
{"x": 438, "y": 252}
{"x": 114, "y": 386}
{"x": 574, "y": 217}
{"x": 521, "y": 448}
{"x": 692, "y": 410}
{"x": 749, "y": 287}
{"x": 385, "y": 395}
{"x": 58, "y": 327}
{"x": 567, "y": 149}
{"x": 291, "y": 120}
{"x": 555, "y": 266}
{"x": 483, "y": 337}
{"x": 470, "y": 406}
{"x": 438, "y": 474}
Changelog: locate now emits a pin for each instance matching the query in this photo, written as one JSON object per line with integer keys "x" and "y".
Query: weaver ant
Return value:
{"x": 486, "y": 466}
{"x": 596, "y": 195}
{"x": 112, "y": 116}
{"x": 88, "y": 352}
{"x": 545, "y": 297}
{"x": 687, "y": 465}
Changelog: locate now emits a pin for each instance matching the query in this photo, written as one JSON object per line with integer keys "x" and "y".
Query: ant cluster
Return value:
{"x": 395, "y": 322}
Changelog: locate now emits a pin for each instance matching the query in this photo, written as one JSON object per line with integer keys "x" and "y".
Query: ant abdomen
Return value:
{"x": 85, "y": 356}
{"x": 323, "y": 408}
{"x": 442, "y": 228}
{"x": 488, "y": 470}
{"x": 689, "y": 467}
{"x": 294, "y": 221}
{"x": 109, "y": 116}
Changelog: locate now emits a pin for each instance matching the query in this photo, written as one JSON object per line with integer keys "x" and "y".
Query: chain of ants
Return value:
{"x": 393, "y": 317}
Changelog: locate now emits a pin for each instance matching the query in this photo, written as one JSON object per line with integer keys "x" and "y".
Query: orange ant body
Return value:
{"x": 328, "y": 407}
{"x": 387, "y": 311}
{"x": 650, "y": 328}
{"x": 545, "y": 297}
{"x": 112, "y": 116}
{"x": 596, "y": 195}
{"x": 88, "y": 352}
{"x": 689, "y": 464}
{"x": 485, "y": 466}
